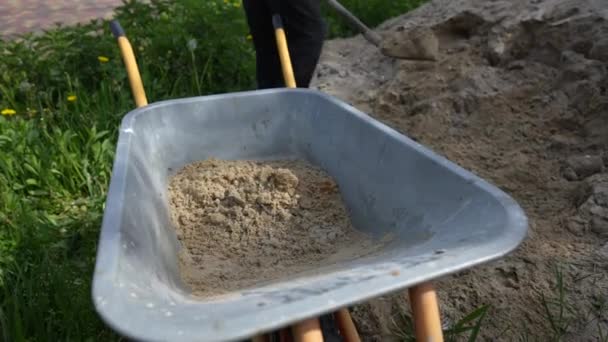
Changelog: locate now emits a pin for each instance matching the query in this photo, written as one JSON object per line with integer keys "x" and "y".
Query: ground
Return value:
{"x": 515, "y": 91}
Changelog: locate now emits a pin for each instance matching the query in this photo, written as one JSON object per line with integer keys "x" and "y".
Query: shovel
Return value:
{"x": 416, "y": 44}
{"x": 370, "y": 35}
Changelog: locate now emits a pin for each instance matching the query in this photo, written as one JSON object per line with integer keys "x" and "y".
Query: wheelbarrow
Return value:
{"x": 444, "y": 219}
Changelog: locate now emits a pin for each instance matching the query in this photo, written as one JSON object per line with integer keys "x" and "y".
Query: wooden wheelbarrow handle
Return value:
{"x": 288, "y": 75}
{"x": 128, "y": 57}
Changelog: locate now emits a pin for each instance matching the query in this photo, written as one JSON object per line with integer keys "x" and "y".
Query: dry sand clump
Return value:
{"x": 244, "y": 223}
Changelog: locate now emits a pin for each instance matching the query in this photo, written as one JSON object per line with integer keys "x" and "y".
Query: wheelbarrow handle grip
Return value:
{"x": 277, "y": 22}
{"x": 116, "y": 29}
{"x": 286, "y": 66}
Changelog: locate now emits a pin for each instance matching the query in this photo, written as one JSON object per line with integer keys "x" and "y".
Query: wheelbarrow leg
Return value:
{"x": 425, "y": 312}
{"x": 308, "y": 331}
{"x": 346, "y": 326}
{"x": 261, "y": 338}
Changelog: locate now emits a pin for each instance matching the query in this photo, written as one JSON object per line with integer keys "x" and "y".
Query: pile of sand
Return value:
{"x": 517, "y": 93}
{"x": 244, "y": 223}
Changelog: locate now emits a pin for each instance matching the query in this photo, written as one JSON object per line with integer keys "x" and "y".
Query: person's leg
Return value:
{"x": 305, "y": 29}
{"x": 268, "y": 64}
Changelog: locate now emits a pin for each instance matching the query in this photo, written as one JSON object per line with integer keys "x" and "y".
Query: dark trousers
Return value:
{"x": 305, "y": 30}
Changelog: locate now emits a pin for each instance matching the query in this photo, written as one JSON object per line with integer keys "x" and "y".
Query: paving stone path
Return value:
{"x": 20, "y": 16}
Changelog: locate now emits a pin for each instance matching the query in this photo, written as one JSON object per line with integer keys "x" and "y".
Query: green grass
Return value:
{"x": 558, "y": 311}
{"x": 56, "y": 152}
{"x": 469, "y": 327}
{"x": 565, "y": 313}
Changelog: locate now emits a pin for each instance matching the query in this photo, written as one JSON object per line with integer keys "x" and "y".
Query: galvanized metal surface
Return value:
{"x": 446, "y": 219}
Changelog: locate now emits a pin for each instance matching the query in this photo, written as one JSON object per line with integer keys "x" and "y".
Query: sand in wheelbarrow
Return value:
{"x": 244, "y": 223}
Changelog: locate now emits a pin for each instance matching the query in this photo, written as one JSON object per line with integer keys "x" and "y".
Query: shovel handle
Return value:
{"x": 425, "y": 312}
{"x": 128, "y": 57}
{"x": 288, "y": 76}
{"x": 370, "y": 35}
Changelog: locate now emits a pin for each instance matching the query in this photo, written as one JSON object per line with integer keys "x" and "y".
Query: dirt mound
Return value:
{"x": 517, "y": 94}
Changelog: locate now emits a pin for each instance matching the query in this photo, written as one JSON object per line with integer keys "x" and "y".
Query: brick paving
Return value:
{"x": 20, "y": 16}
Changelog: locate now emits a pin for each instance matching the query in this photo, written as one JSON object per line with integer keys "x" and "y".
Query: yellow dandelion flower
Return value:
{"x": 103, "y": 59}
{"x": 8, "y": 112}
{"x": 249, "y": 37}
{"x": 72, "y": 98}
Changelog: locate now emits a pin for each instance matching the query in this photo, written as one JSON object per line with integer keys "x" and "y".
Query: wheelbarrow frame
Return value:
{"x": 386, "y": 278}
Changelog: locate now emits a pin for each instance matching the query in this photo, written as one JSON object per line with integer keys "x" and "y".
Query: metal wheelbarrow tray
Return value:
{"x": 445, "y": 218}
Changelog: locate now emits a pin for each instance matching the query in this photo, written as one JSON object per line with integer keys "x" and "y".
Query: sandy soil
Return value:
{"x": 245, "y": 223}
{"x": 515, "y": 91}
